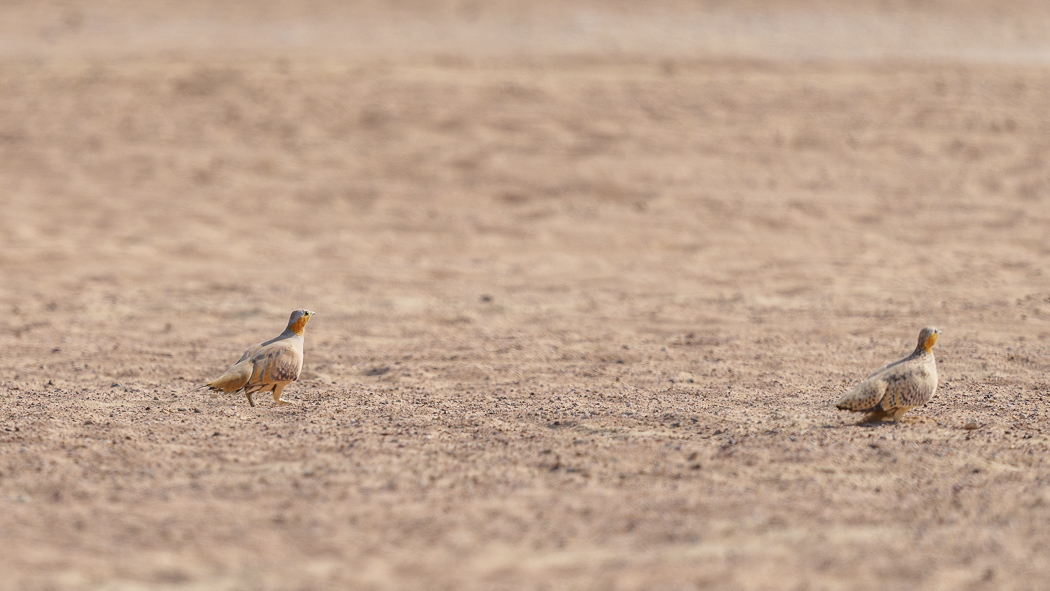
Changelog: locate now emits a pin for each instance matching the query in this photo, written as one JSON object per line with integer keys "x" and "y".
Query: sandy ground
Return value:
{"x": 583, "y": 309}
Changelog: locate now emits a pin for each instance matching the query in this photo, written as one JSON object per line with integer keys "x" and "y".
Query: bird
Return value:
{"x": 268, "y": 366}
{"x": 898, "y": 387}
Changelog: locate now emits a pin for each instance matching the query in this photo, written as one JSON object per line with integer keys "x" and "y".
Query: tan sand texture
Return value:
{"x": 589, "y": 279}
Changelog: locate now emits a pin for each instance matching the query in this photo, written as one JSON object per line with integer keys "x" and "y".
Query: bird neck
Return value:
{"x": 925, "y": 348}
{"x": 297, "y": 327}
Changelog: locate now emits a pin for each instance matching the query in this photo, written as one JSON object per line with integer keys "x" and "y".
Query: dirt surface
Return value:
{"x": 583, "y": 310}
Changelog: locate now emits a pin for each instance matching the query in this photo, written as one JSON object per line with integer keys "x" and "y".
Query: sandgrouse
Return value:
{"x": 268, "y": 366}
{"x": 896, "y": 388}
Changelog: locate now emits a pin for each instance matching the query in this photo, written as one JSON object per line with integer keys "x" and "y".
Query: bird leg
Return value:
{"x": 277, "y": 394}
{"x": 897, "y": 414}
{"x": 893, "y": 414}
{"x": 249, "y": 395}
{"x": 875, "y": 416}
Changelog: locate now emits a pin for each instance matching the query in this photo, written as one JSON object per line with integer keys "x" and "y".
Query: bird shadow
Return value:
{"x": 864, "y": 424}
{"x": 875, "y": 424}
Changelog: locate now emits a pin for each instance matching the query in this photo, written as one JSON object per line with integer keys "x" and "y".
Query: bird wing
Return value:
{"x": 866, "y": 396}
{"x": 885, "y": 369}
{"x": 910, "y": 386}
{"x": 279, "y": 361}
{"x": 284, "y": 337}
{"x": 251, "y": 351}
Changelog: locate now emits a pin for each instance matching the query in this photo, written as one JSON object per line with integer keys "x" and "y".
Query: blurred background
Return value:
{"x": 458, "y": 148}
{"x": 971, "y": 30}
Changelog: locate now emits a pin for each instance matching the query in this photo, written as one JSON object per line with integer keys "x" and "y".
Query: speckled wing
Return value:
{"x": 911, "y": 386}
{"x": 277, "y": 362}
{"x": 866, "y": 396}
{"x": 907, "y": 383}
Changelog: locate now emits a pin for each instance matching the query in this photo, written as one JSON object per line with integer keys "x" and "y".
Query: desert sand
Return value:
{"x": 589, "y": 278}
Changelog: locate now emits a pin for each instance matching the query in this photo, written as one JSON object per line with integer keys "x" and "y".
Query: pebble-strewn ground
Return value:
{"x": 581, "y": 317}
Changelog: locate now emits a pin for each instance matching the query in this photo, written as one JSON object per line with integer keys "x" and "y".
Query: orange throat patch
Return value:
{"x": 299, "y": 326}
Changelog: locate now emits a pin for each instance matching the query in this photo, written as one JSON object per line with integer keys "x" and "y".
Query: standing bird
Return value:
{"x": 268, "y": 366}
{"x": 896, "y": 388}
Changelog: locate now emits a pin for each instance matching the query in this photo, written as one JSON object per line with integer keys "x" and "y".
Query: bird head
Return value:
{"x": 297, "y": 321}
{"x": 927, "y": 338}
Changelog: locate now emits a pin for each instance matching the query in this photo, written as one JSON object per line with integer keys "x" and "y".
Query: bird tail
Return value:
{"x": 234, "y": 379}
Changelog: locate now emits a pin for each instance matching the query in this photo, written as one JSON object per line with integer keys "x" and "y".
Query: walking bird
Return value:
{"x": 268, "y": 366}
